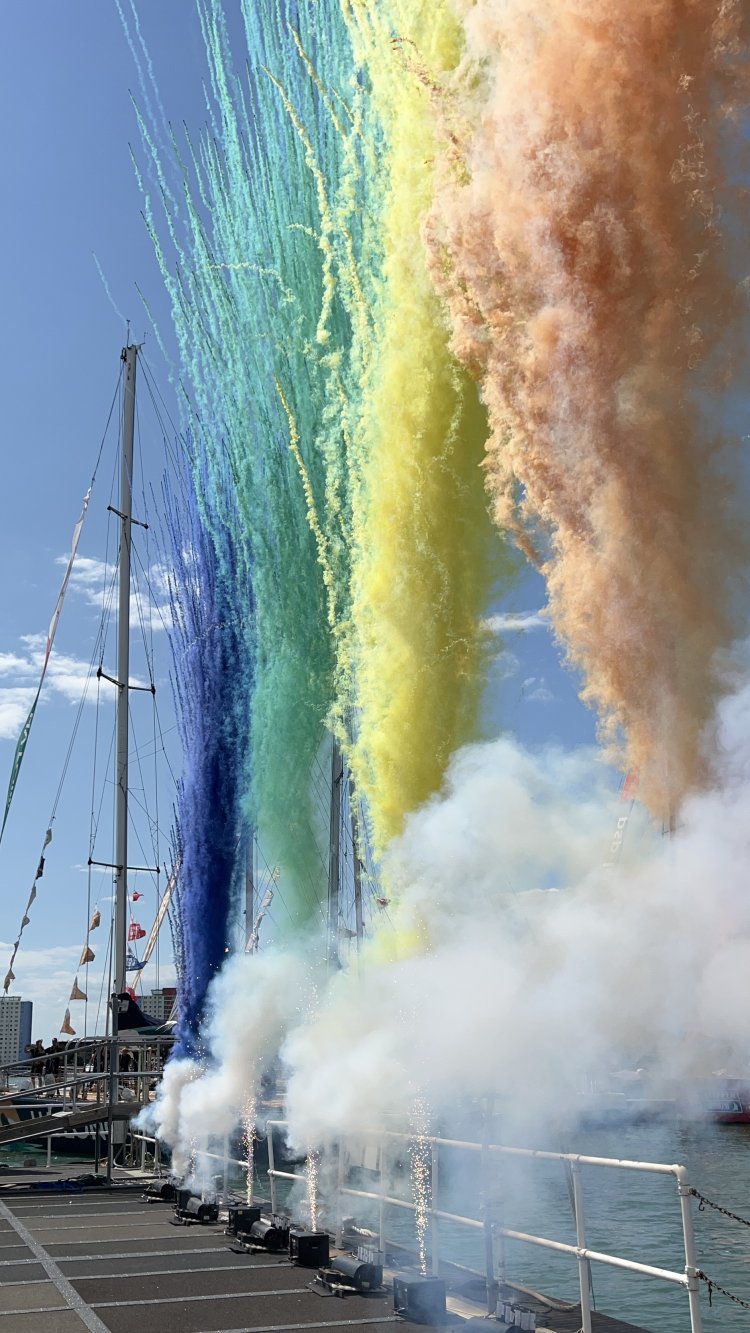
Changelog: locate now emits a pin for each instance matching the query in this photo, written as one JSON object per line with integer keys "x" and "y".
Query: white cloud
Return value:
{"x": 505, "y": 665}
{"x": 515, "y": 622}
{"x": 94, "y": 581}
{"x": 11, "y": 663}
{"x": 66, "y": 677}
{"x": 45, "y": 976}
{"x": 536, "y": 691}
{"x": 15, "y": 702}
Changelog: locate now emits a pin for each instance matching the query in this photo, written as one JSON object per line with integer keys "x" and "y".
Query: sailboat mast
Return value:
{"x": 250, "y": 891}
{"x": 337, "y": 775}
{"x": 129, "y": 356}
{"x": 357, "y": 864}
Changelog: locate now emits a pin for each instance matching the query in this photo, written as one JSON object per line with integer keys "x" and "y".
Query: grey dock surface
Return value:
{"x": 110, "y": 1262}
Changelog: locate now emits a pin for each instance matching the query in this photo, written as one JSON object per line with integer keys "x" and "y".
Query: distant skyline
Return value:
{"x": 71, "y": 194}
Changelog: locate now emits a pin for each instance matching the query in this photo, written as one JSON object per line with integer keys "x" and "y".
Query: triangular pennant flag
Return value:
{"x": 40, "y": 868}
{"x": 65, "y": 1025}
{"x": 9, "y": 976}
{"x": 76, "y": 992}
{"x": 48, "y": 837}
{"x": 32, "y": 896}
{"x": 24, "y": 923}
{"x": 23, "y": 738}
{"x": 95, "y": 920}
{"x": 87, "y": 956}
{"x": 131, "y": 963}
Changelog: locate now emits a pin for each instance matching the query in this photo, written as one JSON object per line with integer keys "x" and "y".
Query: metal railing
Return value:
{"x": 84, "y": 1082}
{"x": 687, "y": 1278}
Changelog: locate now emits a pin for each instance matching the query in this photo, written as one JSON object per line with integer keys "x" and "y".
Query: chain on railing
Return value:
{"x": 705, "y": 1203}
{"x": 713, "y": 1286}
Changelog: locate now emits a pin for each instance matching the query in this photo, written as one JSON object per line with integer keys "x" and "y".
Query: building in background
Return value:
{"x": 15, "y": 1028}
{"x": 159, "y": 1004}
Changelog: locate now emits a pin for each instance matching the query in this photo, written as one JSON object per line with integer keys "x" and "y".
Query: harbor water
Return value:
{"x": 631, "y": 1215}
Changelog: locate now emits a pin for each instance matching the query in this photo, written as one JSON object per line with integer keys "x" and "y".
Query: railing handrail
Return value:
{"x": 688, "y": 1278}
{"x": 76, "y": 1047}
{"x": 472, "y": 1145}
{"x": 9, "y": 1098}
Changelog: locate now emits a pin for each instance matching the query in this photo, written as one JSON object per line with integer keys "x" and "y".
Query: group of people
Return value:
{"x": 46, "y": 1062}
{"x": 52, "y": 1065}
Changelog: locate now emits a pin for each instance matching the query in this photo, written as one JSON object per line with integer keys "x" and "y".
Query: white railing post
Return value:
{"x": 49, "y": 1151}
{"x": 381, "y": 1204}
{"x": 691, "y": 1261}
{"x": 340, "y": 1197}
{"x": 271, "y": 1168}
{"x": 583, "y": 1263}
{"x": 434, "y": 1219}
{"x": 143, "y": 1152}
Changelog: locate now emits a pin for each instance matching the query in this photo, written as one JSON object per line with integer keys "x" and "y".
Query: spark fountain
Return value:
{"x": 249, "y": 1123}
{"x": 419, "y": 1165}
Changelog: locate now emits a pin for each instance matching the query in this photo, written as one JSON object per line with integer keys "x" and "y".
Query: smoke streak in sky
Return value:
{"x": 212, "y": 630}
{"x": 424, "y": 554}
{"x": 584, "y": 234}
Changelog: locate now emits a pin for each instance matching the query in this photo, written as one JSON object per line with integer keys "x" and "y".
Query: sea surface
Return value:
{"x": 633, "y": 1216}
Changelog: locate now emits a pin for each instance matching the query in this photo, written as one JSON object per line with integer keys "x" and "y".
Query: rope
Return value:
{"x": 705, "y": 1203}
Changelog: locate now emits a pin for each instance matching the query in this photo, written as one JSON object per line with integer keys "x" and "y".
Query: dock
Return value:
{"x": 109, "y": 1261}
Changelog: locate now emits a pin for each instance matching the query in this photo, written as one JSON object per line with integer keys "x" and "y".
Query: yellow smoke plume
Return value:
{"x": 579, "y": 234}
{"x": 423, "y": 542}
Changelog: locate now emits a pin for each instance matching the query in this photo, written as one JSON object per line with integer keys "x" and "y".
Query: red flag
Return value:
{"x": 136, "y": 896}
{"x": 131, "y": 992}
{"x": 135, "y": 932}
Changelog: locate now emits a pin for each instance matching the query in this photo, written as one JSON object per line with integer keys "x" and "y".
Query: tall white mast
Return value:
{"x": 129, "y": 356}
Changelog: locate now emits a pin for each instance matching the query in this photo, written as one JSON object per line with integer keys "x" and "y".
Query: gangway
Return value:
{"x": 85, "y": 1094}
{"x": 58, "y": 1122}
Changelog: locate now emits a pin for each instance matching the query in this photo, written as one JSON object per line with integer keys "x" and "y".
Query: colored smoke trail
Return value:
{"x": 241, "y": 260}
{"x": 424, "y": 553}
{"x": 585, "y": 234}
{"x": 213, "y": 681}
{"x": 313, "y": 344}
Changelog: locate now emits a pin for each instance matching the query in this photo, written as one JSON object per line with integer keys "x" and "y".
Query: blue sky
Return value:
{"x": 70, "y": 192}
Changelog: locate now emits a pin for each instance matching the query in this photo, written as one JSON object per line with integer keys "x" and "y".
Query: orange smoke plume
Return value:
{"x": 583, "y": 234}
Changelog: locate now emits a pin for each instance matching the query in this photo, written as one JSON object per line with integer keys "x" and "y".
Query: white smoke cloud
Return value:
{"x": 491, "y": 979}
{"x": 252, "y": 1003}
{"x": 531, "y": 993}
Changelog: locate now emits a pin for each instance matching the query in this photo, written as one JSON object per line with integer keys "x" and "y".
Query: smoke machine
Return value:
{"x": 419, "y": 1299}
{"x": 192, "y": 1208}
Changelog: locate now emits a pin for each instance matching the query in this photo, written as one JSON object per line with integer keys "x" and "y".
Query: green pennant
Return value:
{"x": 18, "y": 759}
